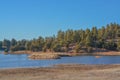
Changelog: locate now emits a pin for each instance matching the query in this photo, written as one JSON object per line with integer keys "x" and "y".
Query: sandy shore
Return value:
{"x": 63, "y": 72}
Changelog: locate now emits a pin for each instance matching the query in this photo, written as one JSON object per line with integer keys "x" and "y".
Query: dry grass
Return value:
{"x": 103, "y": 53}
{"x": 22, "y": 52}
{"x": 109, "y": 53}
{"x": 64, "y": 72}
{"x": 44, "y": 56}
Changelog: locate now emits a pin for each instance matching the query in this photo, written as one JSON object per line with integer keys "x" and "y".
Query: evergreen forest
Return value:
{"x": 107, "y": 37}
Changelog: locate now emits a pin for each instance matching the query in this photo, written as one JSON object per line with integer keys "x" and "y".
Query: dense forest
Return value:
{"x": 107, "y": 37}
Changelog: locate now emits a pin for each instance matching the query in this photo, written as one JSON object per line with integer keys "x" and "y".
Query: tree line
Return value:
{"x": 106, "y": 37}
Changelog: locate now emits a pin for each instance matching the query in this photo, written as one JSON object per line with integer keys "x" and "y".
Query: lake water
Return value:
{"x": 21, "y": 61}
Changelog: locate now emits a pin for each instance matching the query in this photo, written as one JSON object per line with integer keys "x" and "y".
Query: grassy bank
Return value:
{"x": 95, "y": 53}
{"x": 21, "y": 52}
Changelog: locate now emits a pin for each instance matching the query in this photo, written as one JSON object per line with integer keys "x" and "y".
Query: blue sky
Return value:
{"x": 33, "y": 18}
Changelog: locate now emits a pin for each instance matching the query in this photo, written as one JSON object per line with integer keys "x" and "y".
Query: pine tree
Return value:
{"x": 118, "y": 45}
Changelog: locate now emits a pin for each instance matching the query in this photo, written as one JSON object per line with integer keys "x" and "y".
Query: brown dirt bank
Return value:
{"x": 56, "y": 55}
{"x": 21, "y": 52}
{"x": 109, "y": 53}
{"x": 103, "y": 53}
{"x": 63, "y": 72}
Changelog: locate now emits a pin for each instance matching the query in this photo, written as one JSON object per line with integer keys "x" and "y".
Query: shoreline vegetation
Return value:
{"x": 93, "y": 42}
{"x": 63, "y": 72}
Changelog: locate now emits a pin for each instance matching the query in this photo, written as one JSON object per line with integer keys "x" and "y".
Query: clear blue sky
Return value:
{"x": 32, "y": 18}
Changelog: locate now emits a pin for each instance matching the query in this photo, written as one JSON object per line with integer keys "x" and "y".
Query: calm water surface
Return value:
{"x": 20, "y": 61}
